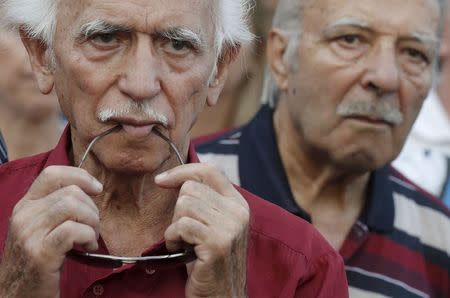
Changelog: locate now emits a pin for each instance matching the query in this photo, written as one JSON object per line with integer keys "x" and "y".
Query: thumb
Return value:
{"x": 189, "y": 268}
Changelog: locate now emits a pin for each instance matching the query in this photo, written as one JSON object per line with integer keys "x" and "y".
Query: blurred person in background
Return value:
{"x": 29, "y": 121}
{"x": 346, "y": 82}
{"x": 425, "y": 158}
{"x": 240, "y": 98}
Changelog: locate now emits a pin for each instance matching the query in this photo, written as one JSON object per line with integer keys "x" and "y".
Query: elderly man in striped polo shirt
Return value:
{"x": 347, "y": 81}
{"x": 122, "y": 207}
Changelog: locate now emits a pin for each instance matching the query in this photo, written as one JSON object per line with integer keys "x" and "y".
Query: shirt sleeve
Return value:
{"x": 326, "y": 278}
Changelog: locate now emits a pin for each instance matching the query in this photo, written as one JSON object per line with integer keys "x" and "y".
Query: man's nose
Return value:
{"x": 140, "y": 78}
{"x": 382, "y": 73}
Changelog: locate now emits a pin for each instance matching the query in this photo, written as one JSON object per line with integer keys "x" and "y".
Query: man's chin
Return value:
{"x": 133, "y": 170}
{"x": 361, "y": 163}
{"x": 138, "y": 166}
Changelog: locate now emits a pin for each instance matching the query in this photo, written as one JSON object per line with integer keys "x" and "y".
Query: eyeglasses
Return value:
{"x": 109, "y": 261}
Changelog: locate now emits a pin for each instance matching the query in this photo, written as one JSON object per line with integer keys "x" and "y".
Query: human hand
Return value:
{"x": 54, "y": 215}
{"x": 213, "y": 217}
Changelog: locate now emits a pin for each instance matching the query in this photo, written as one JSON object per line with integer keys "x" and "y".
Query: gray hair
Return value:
{"x": 288, "y": 19}
{"x": 38, "y": 19}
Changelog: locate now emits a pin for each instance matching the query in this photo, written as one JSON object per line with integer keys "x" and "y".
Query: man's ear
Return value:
{"x": 218, "y": 81}
{"x": 444, "y": 50}
{"x": 39, "y": 55}
{"x": 277, "y": 44}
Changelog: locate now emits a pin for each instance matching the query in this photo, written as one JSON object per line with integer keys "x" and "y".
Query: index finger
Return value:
{"x": 56, "y": 177}
{"x": 201, "y": 172}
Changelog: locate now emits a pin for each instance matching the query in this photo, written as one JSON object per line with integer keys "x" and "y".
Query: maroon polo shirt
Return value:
{"x": 287, "y": 257}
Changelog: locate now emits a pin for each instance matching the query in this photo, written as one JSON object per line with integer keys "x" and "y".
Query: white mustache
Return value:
{"x": 379, "y": 110}
{"x": 132, "y": 109}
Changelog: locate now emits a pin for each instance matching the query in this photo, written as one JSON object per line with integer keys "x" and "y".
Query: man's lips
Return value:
{"x": 137, "y": 129}
{"x": 369, "y": 120}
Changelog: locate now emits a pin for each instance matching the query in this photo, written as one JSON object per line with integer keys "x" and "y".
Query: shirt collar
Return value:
{"x": 379, "y": 210}
{"x": 60, "y": 154}
{"x": 260, "y": 168}
{"x": 3, "y": 151}
{"x": 262, "y": 173}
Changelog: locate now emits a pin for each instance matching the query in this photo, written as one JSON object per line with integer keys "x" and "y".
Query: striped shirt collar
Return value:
{"x": 258, "y": 167}
{"x": 3, "y": 152}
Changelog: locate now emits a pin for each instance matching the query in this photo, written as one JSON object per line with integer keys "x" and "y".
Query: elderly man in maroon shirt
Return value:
{"x": 110, "y": 211}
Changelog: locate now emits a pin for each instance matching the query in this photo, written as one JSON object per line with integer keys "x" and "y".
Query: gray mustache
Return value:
{"x": 131, "y": 108}
{"x": 379, "y": 110}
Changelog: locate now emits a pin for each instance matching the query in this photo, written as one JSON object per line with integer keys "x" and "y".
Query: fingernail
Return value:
{"x": 161, "y": 176}
{"x": 98, "y": 186}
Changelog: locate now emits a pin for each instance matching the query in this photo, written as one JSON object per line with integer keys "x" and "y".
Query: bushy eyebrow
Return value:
{"x": 427, "y": 39}
{"x": 346, "y": 22}
{"x": 183, "y": 34}
{"x": 176, "y": 33}
{"x": 100, "y": 27}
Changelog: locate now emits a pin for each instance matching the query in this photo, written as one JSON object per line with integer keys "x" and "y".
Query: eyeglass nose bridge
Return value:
{"x": 147, "y": 262}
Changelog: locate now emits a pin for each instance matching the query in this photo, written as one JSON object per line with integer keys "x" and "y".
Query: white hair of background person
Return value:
{"x": 287, "y": 18}
{"x": 38, "y": 19}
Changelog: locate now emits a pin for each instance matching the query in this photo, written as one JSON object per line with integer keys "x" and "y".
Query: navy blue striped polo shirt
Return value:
{"x": 399, "y": 246}
{"x": 3, "y": 153}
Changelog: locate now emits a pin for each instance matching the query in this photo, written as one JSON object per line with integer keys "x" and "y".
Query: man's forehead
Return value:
{"x": 420, "y": 16}
{"x": 140, "y": 15}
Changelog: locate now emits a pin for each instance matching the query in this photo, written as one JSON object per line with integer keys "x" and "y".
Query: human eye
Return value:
{"x": 103, "y": 38}
{"x": 349, "y": 45}
{"x": 416, "y": 56}
{"x": 178, "y": 47}
{"x": 349, "y": 40}
{"x": 105, "y": 41}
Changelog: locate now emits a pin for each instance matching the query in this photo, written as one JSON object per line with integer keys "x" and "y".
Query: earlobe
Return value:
{"x": 215, "y": 88}
{"x": 277, "y": 45}
{"x": 40, "y": 60}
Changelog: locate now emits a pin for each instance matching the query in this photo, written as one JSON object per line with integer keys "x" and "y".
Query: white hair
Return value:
{"x": 38, "y": 19}
{"x": 130, "y": 108}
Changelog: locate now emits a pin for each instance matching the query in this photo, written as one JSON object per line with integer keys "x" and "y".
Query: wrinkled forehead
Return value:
{"x": 395, "y": 16}
{"x": 138, "y": 15}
